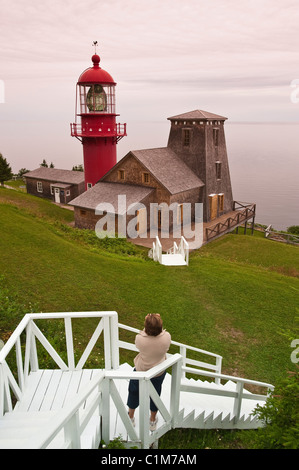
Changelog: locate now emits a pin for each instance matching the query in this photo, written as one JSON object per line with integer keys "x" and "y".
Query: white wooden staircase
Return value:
{"x": 74, "y": 407}
{"x": 178, "y": 255}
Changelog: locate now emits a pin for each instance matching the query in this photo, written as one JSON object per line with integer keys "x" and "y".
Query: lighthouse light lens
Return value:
{"x": 96, "y": 99}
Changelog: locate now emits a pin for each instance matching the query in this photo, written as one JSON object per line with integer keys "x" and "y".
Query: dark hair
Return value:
{"x": 153, "y": 324}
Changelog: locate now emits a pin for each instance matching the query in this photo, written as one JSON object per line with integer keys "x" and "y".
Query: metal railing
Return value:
{"x": 117, "y": 131}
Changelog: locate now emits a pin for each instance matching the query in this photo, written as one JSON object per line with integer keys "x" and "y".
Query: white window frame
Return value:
{"x": 39, "y": 187}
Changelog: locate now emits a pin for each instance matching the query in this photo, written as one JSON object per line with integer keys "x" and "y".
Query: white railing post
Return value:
{"x": 69, "y": 342}
{"x": 175, "y": 392}
{"x": 157, "y": 250}
{"x": 105, "y": 410}
{"x": 30, "y": 352}
{"x": 238, "y": 401}
{"x": 185, "y": 250}
{"x": 19, "y": 364}
{"x": 107, "y": 343}
{"x": 183, "y": 353}
{"x": 114, "y": 341}
{"x": 72, "y": 431}
{"x": 144, "y": 413}
{"x": 2, "y": 391}
{"x": 218, "y": 370}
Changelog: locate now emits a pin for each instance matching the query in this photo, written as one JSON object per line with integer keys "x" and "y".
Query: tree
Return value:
{"x": 45, "y": 164}
{"x": 5, "y": 170}
{"x": 78, "y": 167}
{"x": 22, "y": 172}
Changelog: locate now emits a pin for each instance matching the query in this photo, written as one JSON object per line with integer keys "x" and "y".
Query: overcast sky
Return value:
{"x": 236, "y": 58}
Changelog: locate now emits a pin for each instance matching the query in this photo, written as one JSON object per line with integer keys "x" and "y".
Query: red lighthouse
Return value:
{"x": 97, "y": 130}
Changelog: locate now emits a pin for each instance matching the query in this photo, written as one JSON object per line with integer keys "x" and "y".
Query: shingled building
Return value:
{"x": 61, "y": 186}
{"x": 193, "y": 168}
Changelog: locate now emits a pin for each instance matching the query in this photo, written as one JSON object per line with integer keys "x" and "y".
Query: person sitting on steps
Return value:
{"x": 152, "y": 343}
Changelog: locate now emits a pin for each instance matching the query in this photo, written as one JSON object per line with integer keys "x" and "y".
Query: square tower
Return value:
{"x": 198, "y": 138}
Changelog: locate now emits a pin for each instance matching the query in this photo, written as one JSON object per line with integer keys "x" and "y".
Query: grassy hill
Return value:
{"x": 237, "y": 297}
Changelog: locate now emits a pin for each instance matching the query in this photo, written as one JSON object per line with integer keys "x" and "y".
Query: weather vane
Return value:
{"x": 95, "y": 44}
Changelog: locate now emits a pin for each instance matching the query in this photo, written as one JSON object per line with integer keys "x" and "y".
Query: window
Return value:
{"x": 159, "y": 218}
{"x": 121, "y": 174}
{"x": 68, "y": 192}
{"x": 89, "y": 185}
{"x": 216, "y": 136}
{"x": 186, "y": 137}
{"x": 145, "y": 178}
{"x": 218, "y": 170}
{"x": 39, "y": 187}
{"x": 82, "y": 212}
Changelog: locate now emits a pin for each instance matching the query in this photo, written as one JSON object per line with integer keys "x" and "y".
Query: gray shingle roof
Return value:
{"x": 168, "y": 169}
{"x": 197, "y": 114}
{"x": 56, "y": 175}
{"x": 109, "y": 192}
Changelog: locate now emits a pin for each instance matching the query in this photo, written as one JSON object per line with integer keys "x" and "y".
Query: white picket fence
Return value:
{"x": 86, "y": 411}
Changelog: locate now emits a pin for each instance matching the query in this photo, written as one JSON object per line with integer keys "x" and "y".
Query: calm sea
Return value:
{"x": 264, "y": 167}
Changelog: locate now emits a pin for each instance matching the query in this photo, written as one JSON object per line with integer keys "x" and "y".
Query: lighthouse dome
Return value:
{"x": 96, "y": 74}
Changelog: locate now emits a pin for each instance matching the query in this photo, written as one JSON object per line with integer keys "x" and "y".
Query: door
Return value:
{"x": 180, "y": 214}
{"x": 57, "y": 195}
{"x": 213, "y": 203}
{"x": 141, "y": 221}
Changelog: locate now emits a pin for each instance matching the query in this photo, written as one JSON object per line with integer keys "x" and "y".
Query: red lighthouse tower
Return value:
{"x": 97, "y": 129}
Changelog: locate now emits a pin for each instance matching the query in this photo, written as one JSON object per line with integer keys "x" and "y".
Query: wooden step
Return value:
{"x": 173, "y": 260}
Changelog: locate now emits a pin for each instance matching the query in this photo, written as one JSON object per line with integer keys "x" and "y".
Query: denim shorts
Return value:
{"x": 133, "y": 397}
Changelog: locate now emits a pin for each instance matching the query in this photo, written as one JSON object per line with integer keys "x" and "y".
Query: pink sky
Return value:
{"x": 236, "y": 58}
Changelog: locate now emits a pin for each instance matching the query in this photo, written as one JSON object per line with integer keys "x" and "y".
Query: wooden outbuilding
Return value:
{"x": 61, "y": 186}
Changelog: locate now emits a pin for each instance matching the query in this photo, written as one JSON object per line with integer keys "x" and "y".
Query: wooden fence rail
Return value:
{"x": 244, "y": 212}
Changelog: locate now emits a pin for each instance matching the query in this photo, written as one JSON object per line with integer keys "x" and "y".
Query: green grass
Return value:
{"x": 38, "y": 207}
{"x": 17, "y": 184}
{"x": 237, "y": 298}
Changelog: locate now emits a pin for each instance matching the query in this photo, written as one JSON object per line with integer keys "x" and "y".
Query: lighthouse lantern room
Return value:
{"x": 97, "y": 128}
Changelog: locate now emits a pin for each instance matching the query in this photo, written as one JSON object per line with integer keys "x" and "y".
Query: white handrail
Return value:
{"x": 146, "y": 390}
{"x": 7, "y": 380}
{"x": 227, "y": 377}
{"x": 157, "y": 250}
{"x": 184, "y": 249}
{"x": 63, "y": 417}
{"x": 238, "y": 394}
{"x": 69, "y": 419}
{"x": 183, "y": 351}
{"x": 147, "y": 375}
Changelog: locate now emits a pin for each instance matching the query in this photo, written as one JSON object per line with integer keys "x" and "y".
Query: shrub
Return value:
{"x": 281, "y": 416}
{"x": 294, "y": 229}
